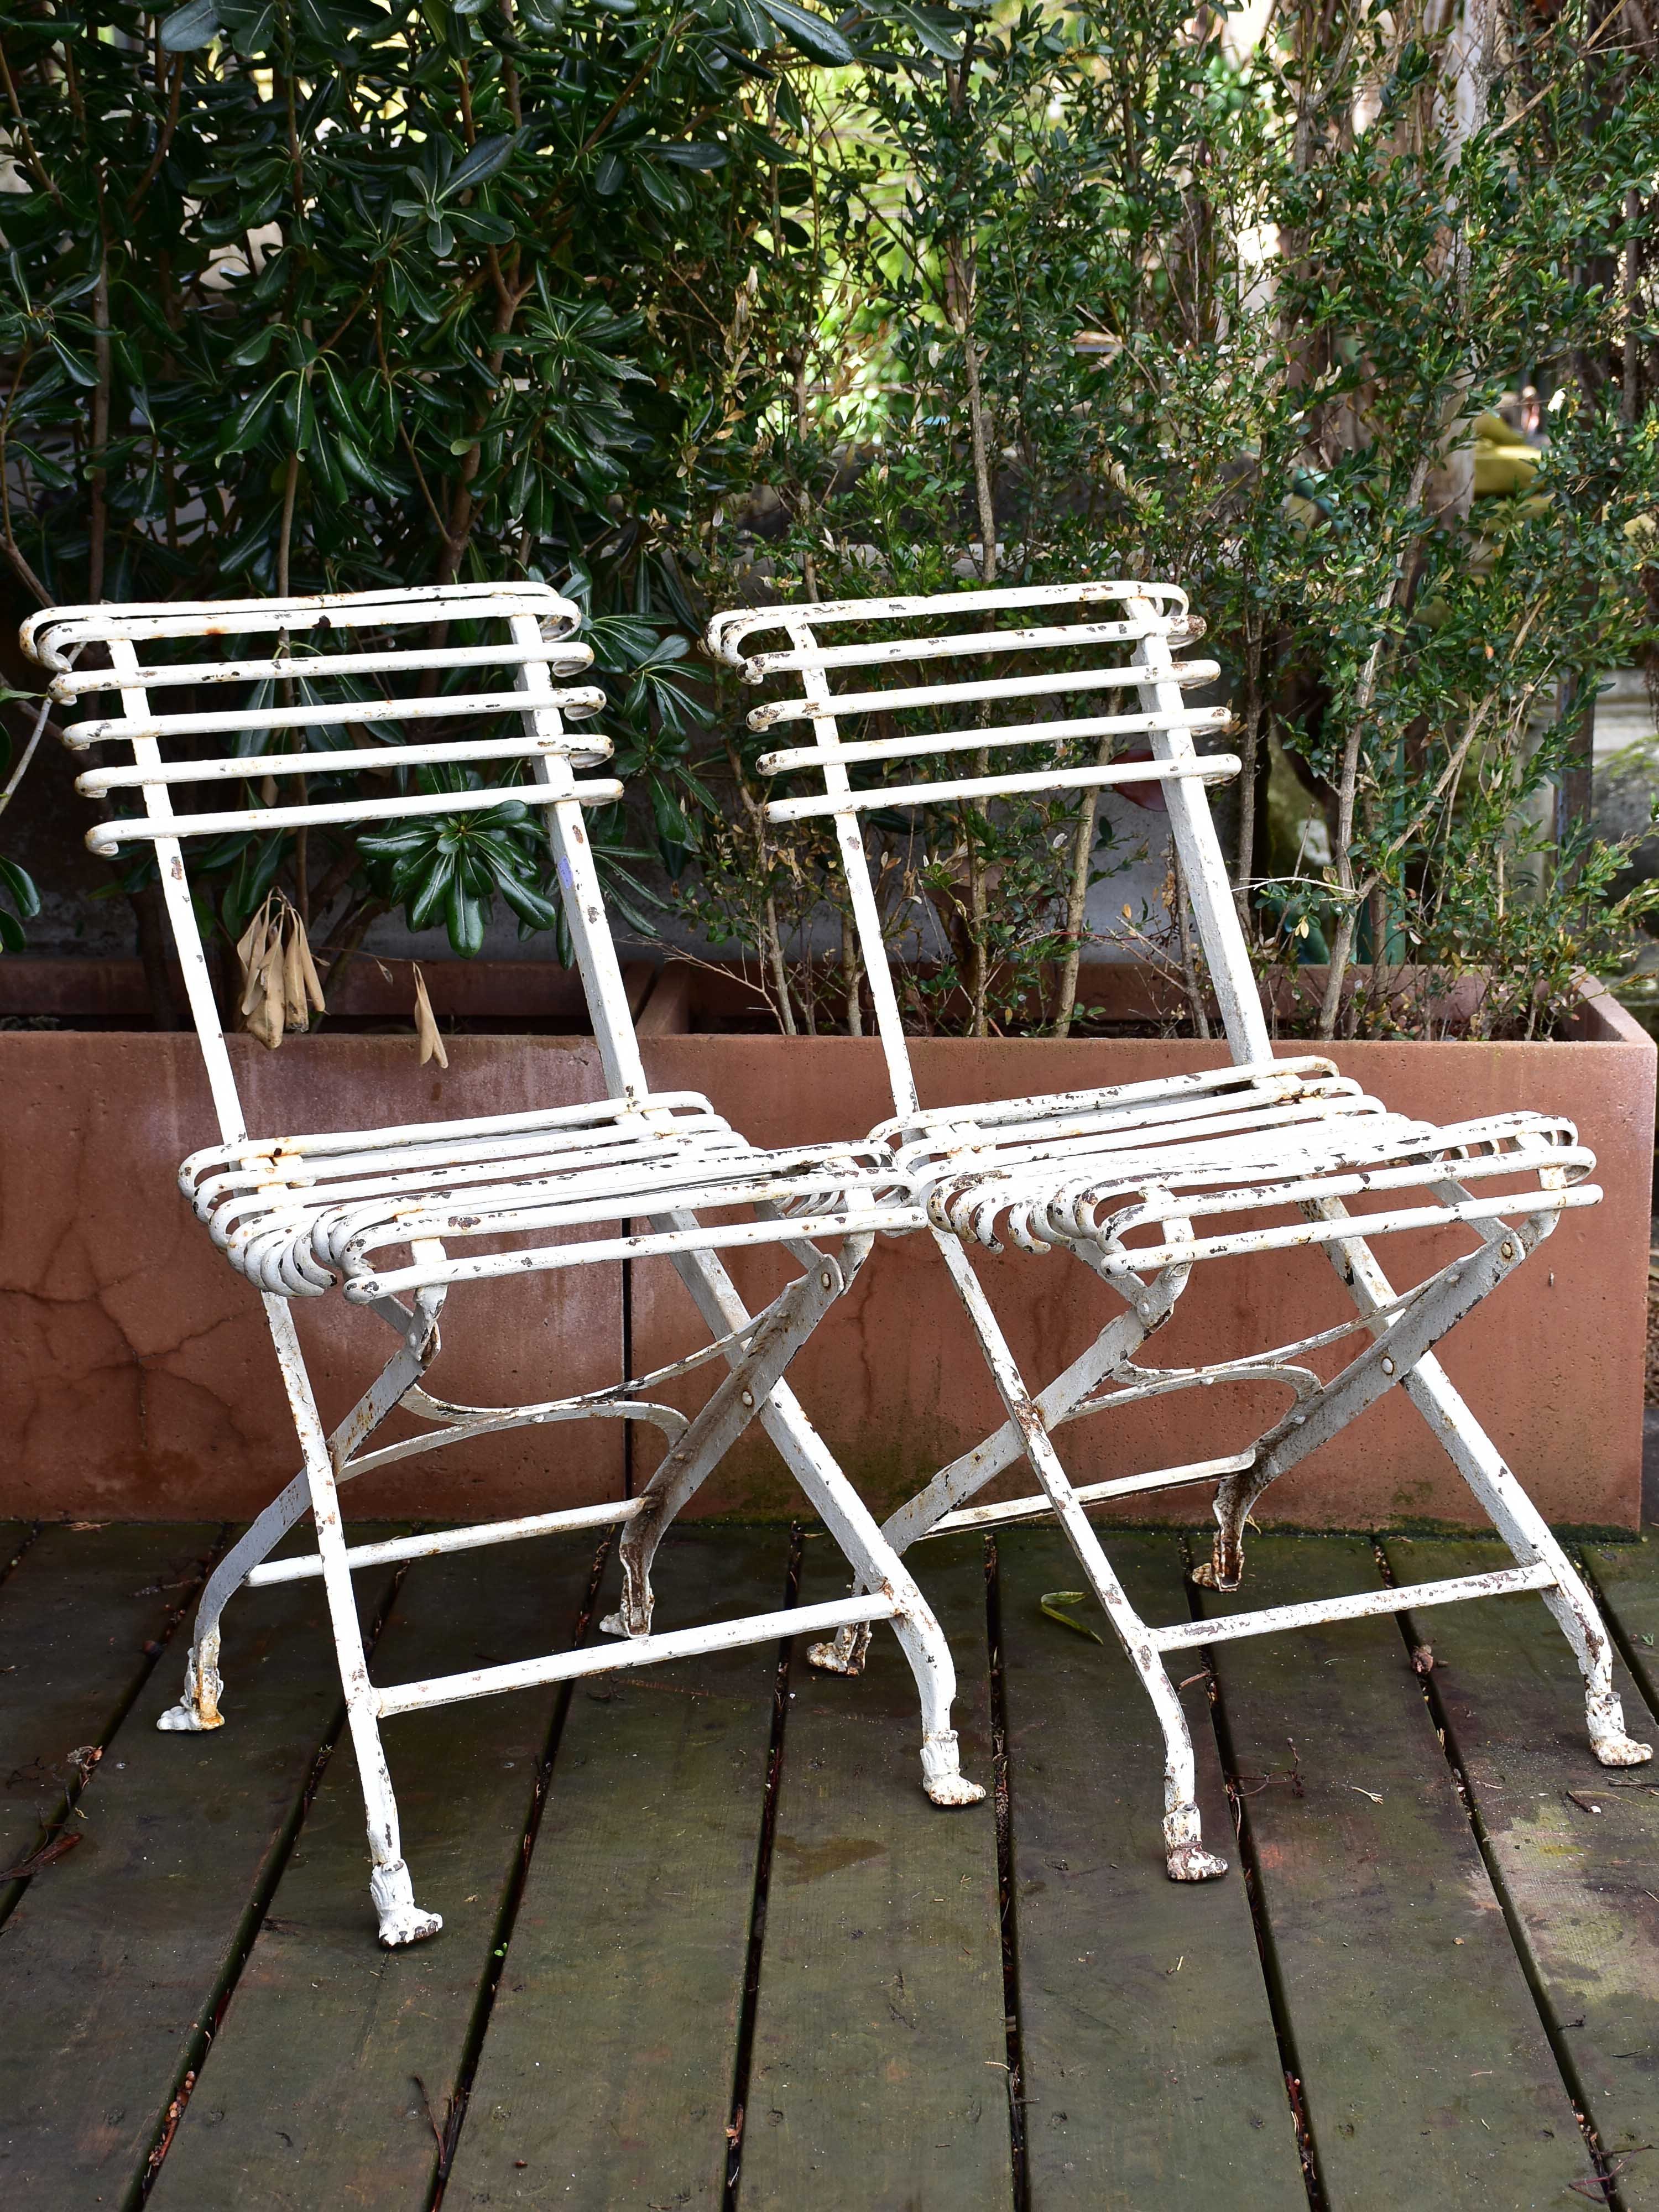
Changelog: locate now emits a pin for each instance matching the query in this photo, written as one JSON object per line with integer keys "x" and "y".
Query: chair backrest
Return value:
{"x": 219, "y": 697}
{"x": 1097, "y": 637}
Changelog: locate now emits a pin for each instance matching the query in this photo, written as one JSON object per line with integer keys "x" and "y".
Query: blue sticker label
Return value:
{"x": 564, "y": 871}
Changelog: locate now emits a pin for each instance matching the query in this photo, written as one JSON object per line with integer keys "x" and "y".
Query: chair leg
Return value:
{"x": 849, "y": 1521}
{"x": 199, "y": 1708}
{"x": 1394, "y": 1350}
{"x": 782, "y": 1330}
{"x": 1185, "y": 1856}
{"x": 401, "y": 1920}
{"x": 1516, "y": 1519}
{"x": 844, "y": 1653}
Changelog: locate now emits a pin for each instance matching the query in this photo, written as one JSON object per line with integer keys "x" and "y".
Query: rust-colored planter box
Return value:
{"x": 140, "y": 1382}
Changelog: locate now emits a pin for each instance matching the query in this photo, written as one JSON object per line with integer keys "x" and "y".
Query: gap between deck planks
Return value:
{"x": 85, "y": 1614}
{"x": 1150, "y": 2057}
{"x": 605, "y": 2078}
{"x": 113, "y": 1959}
{"x": 1571, "y": 1845}
{"x": 879, "y": 2077}
{"x": 1428, "y": 2076}
{"x": 310, "y": 2096}
{"x": 623, "y": 1967}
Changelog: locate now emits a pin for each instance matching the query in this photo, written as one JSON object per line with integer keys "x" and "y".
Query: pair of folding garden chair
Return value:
{"x": 1142, "y": 1183}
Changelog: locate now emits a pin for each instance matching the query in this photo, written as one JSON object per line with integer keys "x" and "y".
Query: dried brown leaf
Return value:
{"x": 426, "y": 1027}
{"x": 265, "y": 1021}
{"x": 309, "y": 970}
{"x": 296, "y": 1011}
{"x": 251, "y": 953}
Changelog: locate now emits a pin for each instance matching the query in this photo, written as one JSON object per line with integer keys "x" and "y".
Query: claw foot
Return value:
{"x": 1207, "y": 1575}
{"x": 1192, "y": 1862}
{"x": 1186, "y": 1857}
{"x": 842, "y": 1654}
{"x": 616, "y": 1624}
{"x": 402, "y": 1920}
{"x": 199, "y": 1708}
{"x": 942, "y": 1776}
{"x": 1608, "y": 1740}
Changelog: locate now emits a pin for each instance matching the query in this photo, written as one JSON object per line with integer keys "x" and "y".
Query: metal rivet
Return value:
{"x": 1388, "y": 1365}
{"x": 1506, "y": 1250}
{"x": 823, "y": 1281}
{"x": 748, "y": 1397}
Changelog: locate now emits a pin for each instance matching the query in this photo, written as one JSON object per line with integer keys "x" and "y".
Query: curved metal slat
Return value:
{"x": 1213, "y": 768}
{"x": 739, "y": 622}
{"x": 380, "y": 760}
{"x": 586, "y": 699}
{"x": 966, "y": 741}
{"x": 1037, "y": 684}
{"x": 109, "y": 836}
{"x": 46, "y": 636}
{"x": 563, "y": 660}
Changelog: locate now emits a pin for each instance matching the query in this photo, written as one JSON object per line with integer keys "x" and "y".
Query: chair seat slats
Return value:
{"x": 295, "y": 1223}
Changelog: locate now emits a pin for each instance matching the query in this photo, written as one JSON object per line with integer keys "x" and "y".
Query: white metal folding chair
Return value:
{"x": 1144, "y": 1181}
{"x": 378, "y": 1210}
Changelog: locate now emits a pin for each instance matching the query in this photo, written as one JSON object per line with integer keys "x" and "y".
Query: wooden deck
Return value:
{"x": 708, "y": 1945}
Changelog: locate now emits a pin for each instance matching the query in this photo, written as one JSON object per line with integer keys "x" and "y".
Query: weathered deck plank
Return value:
{"x": 308, "y": 2097}
{"x": 877, "y": 2070}
{"x": 1575, "y": 1848}
{"x": 606, "y": 2076}
{"x": 76, "y": 1615}
{"x": 1150, "y": 2064}
{"x": 1626, "y": 1578}
{"x": 115, "y": 1956}
{"x": 1427, "y": 2075}
{"x": 880, "y": 2070}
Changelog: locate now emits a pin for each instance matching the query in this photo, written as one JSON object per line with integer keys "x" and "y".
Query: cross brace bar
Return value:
{"x": 1035, "y": 1509}
{"x": 1273, "y": 1618}
{"x": 633, "y": 1652}
{"x": 310, "y": 1565}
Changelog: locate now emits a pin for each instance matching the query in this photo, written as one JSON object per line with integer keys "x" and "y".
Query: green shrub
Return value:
{"x": 665, "y": 304}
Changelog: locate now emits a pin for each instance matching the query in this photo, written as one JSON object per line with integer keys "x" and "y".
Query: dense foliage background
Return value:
{"x": 670, "y": 303}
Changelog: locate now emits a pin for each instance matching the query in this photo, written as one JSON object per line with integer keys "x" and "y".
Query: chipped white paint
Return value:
{"x": 374, "y": 1211}
{"x": 1145, "y": 1182}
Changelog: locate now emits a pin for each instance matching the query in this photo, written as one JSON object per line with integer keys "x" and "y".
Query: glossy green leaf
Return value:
{"x": 191, "y": 26}
{"x": 810, "y": 32}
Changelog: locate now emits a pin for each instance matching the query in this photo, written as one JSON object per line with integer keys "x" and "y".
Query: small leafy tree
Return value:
{"x": 1123, "y": 301}
{"x": 321, "y": 294}
{"x": 671, "y": 305}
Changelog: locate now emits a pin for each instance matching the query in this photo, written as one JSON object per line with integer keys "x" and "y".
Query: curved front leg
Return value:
{"x": 199, "y": 1708}
{"x": 777, "y": 1337}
